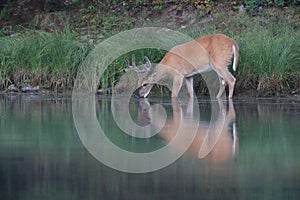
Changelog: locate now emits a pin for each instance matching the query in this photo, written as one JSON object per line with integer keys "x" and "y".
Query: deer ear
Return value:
{"x": 154, "y": 70}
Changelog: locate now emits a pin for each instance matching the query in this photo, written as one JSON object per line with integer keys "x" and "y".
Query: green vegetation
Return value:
{"x": 47, "y": 59}
{"x": 269, "y": 64}
{"x": 269, "y": 46}
{"x": 255, "y": 4}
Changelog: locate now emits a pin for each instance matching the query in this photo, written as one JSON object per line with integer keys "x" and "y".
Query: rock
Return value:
{"x": 241, "y": 8}
{"x": 183, "y": 26}
{"x": 109, "y": 90}
{"x": 100, "y": 91}
{"x": 104, "y": 91}
{"x": 29, "y": 88}
{"x": 35, "y": 89}
{"x": 12, "y": 88}
{"x": 84, "y": 37}
{"x": 26, "y": 88}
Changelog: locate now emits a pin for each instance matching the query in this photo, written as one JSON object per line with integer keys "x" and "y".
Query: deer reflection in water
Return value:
{"x": 217, "y": 141}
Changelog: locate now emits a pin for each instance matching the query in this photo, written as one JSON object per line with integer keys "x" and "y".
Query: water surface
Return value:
{"x": 256, "y": 157}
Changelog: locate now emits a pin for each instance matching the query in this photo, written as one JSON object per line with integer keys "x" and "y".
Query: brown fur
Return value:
{"x": 185, "y": 60}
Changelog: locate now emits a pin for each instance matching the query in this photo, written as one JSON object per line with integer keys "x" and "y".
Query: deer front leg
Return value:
{"x": 177, "y": 83}
{"x": 189, "y": 85}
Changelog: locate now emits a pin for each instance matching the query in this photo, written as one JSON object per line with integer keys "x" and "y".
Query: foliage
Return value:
{"x": 256, "y": 4}
{"x": 6, "y": 11}
{"x": 49, "y": 59}
{"x": 268, "y": 61}
{"x": 203, "y": 4}
{"x": 198, "y": 4}
{"x": 269, "y": 46}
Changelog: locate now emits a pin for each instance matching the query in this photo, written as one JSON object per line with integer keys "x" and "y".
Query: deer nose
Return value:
{"x": 137, "y": 93}
{"x": 141, "y": 95}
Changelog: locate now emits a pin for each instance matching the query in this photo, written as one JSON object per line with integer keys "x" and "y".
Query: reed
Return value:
{"x": 39, "y": 58}
{"x": 269, "y": 60}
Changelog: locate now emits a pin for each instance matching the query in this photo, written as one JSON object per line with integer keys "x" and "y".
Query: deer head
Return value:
{"x": 146, "y": 75}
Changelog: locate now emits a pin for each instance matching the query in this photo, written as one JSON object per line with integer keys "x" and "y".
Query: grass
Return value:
{"x": 269, "y": 56}
{"x": 269, "y": 63}
{"x": 47, "y": 59}
{"x": 51, "y": 60}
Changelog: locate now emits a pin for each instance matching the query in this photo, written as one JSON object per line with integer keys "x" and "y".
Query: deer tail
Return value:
{"x": 235, "y": 52}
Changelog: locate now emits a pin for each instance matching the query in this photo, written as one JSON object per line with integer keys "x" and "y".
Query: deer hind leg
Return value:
{"x": 229, "y": 79}
{"x": 189, "y": 85}
{"x": 222, "y": 87}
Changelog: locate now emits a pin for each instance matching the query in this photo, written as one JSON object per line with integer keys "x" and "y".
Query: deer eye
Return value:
{"x": 145, "y": 84}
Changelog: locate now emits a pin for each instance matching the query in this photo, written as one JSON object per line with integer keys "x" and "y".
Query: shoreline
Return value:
{"x": 155, "y": 94}
{"x": 49, "y": 58}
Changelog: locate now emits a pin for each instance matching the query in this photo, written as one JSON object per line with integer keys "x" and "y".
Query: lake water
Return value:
{"x": 253, "y": 155}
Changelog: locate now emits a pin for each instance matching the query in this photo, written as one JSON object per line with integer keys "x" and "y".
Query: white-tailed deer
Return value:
{"x": 211, "y": 52}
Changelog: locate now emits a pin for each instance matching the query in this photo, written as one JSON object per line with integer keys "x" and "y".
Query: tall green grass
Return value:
{"x": 269, "y": 60}
{"x": 267, "y": 55}
{"x": 49, "y": 59}
{"x": 269, "y": 63}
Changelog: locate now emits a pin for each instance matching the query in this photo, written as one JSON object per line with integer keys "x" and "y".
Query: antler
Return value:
{"x": 133, "y": 67}
{"x": 147, "y": 65}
